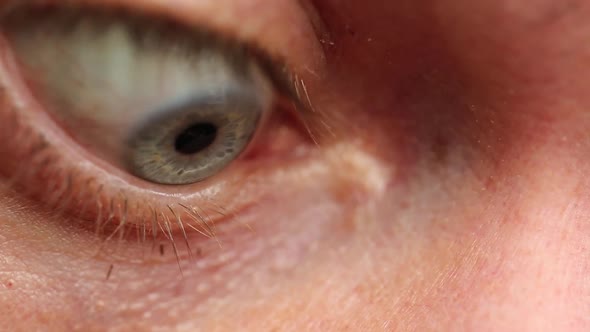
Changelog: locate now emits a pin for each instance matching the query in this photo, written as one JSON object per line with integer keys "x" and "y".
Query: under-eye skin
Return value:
{"x": 169, "y": 106}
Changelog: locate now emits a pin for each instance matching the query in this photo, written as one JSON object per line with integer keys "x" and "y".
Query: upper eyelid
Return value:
{"x": 295, "y": 91}
{"x": 284, "y": 35}
{"x": 282, "y": 28}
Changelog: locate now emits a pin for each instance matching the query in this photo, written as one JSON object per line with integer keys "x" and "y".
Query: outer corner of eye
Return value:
{"x": 162, "y": 102}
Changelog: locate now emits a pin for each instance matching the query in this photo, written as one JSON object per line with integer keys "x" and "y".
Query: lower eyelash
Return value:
{"x": 67, "y": 192}
{"x": 176, "y": 224}
{"x": 93, "y": 206}
{"x": 112, "y": 216}
{"x": 186, "y": 229}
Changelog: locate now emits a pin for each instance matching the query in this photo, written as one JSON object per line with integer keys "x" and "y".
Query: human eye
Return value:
{"x": 154, "y": 128}
{"x": 163, "y": 160}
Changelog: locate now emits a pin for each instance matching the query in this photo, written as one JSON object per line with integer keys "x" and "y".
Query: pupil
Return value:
{"x": 196, "y": 138}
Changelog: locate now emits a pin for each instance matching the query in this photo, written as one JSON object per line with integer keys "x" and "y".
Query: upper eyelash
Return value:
{"x": 291, "y": 88}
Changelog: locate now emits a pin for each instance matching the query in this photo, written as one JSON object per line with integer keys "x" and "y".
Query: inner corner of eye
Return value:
{"x": 167, "y": 105}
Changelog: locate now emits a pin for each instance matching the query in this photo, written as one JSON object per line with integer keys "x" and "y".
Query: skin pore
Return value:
{"x": 452, "y": 195}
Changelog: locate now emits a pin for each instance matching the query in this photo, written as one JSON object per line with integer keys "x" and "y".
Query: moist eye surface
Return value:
{"x": 166, "y": 103}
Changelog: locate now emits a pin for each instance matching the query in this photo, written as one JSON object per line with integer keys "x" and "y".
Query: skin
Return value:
{"x": 452, "y": 196}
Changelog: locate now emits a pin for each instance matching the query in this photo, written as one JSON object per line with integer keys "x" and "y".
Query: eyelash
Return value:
{"x": 108, "y": 208}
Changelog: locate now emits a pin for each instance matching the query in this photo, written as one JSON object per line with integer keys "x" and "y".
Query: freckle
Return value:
{"x": 199, "y": 252}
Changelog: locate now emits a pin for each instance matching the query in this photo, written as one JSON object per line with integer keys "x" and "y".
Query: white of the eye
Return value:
{"x": 103, "y": 78}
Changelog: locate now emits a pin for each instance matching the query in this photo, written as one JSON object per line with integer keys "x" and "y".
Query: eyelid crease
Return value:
{"x": 317, "y": 22}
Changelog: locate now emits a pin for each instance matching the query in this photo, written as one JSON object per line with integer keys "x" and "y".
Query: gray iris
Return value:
{"x": 193, "y": 140}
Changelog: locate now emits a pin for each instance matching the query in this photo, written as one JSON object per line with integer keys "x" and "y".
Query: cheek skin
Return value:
{"x": 59, "y": 264}
{"x": 483, "y": 226}
{"x": 499, "y": 198}
{"x": 460, "y": 204}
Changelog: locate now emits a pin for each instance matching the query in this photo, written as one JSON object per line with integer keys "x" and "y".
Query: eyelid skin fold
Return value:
{"x": 281, "y": 28}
